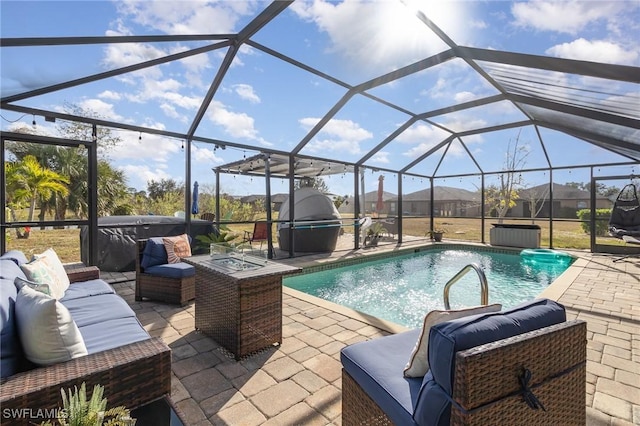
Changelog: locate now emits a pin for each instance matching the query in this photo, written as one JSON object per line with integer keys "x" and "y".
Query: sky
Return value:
{"x": 266, "y": 103}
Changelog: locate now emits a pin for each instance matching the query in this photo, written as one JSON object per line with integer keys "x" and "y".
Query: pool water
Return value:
{"x": 403, "y": 289}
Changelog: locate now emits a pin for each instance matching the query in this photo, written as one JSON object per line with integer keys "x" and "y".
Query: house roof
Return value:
{"x": 560, "y": 192}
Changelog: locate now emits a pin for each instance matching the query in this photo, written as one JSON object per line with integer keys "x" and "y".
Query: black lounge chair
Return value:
{"x": 625, "y": 215}
{"x": 625, "y": 218}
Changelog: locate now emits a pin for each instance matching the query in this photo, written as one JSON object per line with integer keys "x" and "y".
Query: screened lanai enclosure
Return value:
{"x": 410, "y": 116}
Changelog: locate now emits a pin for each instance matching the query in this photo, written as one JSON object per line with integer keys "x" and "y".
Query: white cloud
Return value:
{"x": 139, "y": 175}
{"x": 418, "y": 133}
{"x": 463, "y": 96}
{"x": 340, "y": 136}
{"x": 108, "y": 94}
{"x": 239, "y": 125}
{"x": 596, "y": 51}
{"x": 152, "y": 147}
{"x": 101, "y": 108}
{"x": 382, "y": 33}
{"x": 170, "y": 111}
{"x": 381, "y": 157}
{"x": 563, "y": 16}
{"x": 123, "y": 54}
{"x": 205, "y": 155}
{"x": 246, "y": 92}
{"x": 187, "y": 17}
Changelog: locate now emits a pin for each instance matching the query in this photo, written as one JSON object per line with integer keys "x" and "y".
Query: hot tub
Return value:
{"x": 316, "y": 226}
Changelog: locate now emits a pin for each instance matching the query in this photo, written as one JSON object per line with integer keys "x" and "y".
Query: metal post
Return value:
{"x": 356, "y": 206}
{"x": 187, "y": 185}
{"x": 267, "y": 175}
{"x": 431, "y": 201}
{"x": 399, "y": 208}
{"x": 482, "y": 209}
{"x": 3, "y": 202}
{"x": 550, "y": 208}
{"x": 217, "y": 172}
{"x": 92, "y": 156}
{"x": 292, "y": 174}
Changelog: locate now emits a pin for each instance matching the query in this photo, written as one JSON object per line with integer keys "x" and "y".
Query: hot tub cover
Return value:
{"x": 309, "y": 205}
{"x": 117, "y": 236}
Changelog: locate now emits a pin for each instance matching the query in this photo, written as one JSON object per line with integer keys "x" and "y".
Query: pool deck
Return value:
{"x": 299, "y": 382}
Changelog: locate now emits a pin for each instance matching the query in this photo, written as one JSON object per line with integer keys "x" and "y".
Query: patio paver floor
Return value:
{"x": 299, "y": 382}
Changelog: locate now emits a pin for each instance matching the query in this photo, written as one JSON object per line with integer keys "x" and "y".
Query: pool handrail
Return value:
{"x": 484, "y": 285}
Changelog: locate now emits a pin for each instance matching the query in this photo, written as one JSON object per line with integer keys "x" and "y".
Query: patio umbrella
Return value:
{"x": 380, "y": 202}
{"x": 194, "y": 197}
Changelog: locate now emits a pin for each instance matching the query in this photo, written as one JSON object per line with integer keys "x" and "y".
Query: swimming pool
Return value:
{"x": 402, "y": 289}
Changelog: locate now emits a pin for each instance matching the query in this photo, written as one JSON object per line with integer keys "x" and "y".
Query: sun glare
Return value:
{"x": 401, "y": 35}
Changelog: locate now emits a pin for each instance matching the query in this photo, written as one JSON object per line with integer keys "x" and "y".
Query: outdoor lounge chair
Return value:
{"x": 211, "y": 217}
{"x": 624, "y": 222}
{"x": 260, "y": 233}
{"x": 625, "y": 215}
{"x": 482, "y": 372}
{"x": 157, "y": 280}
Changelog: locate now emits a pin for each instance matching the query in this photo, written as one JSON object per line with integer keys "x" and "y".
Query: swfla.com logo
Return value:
{"x": 34, "y": 414}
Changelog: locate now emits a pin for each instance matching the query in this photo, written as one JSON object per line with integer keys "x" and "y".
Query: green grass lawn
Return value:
{"x": 566, "y": 234}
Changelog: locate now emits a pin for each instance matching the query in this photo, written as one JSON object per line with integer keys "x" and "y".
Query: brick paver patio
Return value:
{"x": 299, "y": 382}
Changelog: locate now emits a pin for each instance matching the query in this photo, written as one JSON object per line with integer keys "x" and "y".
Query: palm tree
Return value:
{"x": 72, "y": 163}
{"x": 15, "y": 196}
{"x": 112, "y": 188}
{"x": 32, "y": 181}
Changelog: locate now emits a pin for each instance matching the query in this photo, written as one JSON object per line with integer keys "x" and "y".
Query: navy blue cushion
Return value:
{"x": 97, "y": 309}
{"x": 111, "y": 334}
{"x": 447, "y": 338}
{"x": 154, "y": 253}
{"x": 433, "y": 407}
{"x": 172, "y": 270}
{"x": 86, "y": 289}
{"x": 10, "y": 270}
{"x": 377, "y": 366}
{"x": 16, "y": 255}
{"x": 10, "y": 350}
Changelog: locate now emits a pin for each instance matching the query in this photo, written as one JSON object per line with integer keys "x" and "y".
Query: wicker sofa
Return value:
{"x": 156, "y": 279}
{"x": 478, "y": 373}
{"x": 134, "y": 368}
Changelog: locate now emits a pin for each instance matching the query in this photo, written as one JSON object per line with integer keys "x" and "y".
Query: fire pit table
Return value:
{"x": 239, "y": 301}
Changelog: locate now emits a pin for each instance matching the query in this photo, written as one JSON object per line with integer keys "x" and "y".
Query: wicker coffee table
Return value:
{"x": 241, "y": 310}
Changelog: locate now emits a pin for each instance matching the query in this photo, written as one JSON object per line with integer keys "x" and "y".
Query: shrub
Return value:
{"x": 602, "y": 220}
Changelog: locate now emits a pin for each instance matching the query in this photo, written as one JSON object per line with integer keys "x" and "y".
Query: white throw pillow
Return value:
{"x": 46, "y": 268}
{"x": 41, "y": 287}
{"x": 46, "y": 329}
{"x": 418, "y": 364}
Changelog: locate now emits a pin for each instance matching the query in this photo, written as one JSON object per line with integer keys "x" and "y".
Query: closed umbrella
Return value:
{"x": 194, "y": 197}
{"x": 380, "y": 202}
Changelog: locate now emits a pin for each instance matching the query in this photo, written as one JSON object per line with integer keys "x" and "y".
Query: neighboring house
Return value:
{"x": 567, "y": 200}
{"x": 370, "y": 200}
{"x": 447, "y": 201}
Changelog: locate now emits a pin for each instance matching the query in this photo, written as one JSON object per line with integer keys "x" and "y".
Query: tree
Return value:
{"x": 536, "y": 199}
{"x": 601, "y": 188}
{"x": 112, "y": 189}
{"x": 15, "y": 198}
{"x": 503, "y": 196}
{"x": 159, "y": 189}
{"x": 31, "y": 181}
{"x": 73, "y": 163}
{"x": 312, "y": 182}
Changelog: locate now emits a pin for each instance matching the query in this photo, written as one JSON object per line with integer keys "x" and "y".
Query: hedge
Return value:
{"x": 602, "y": 220}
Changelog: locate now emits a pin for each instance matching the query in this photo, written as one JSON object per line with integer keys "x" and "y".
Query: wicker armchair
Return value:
{"x": 486, "y": 386}
{"x": 132, "y": 375}
{"x": 165, "y": 289}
